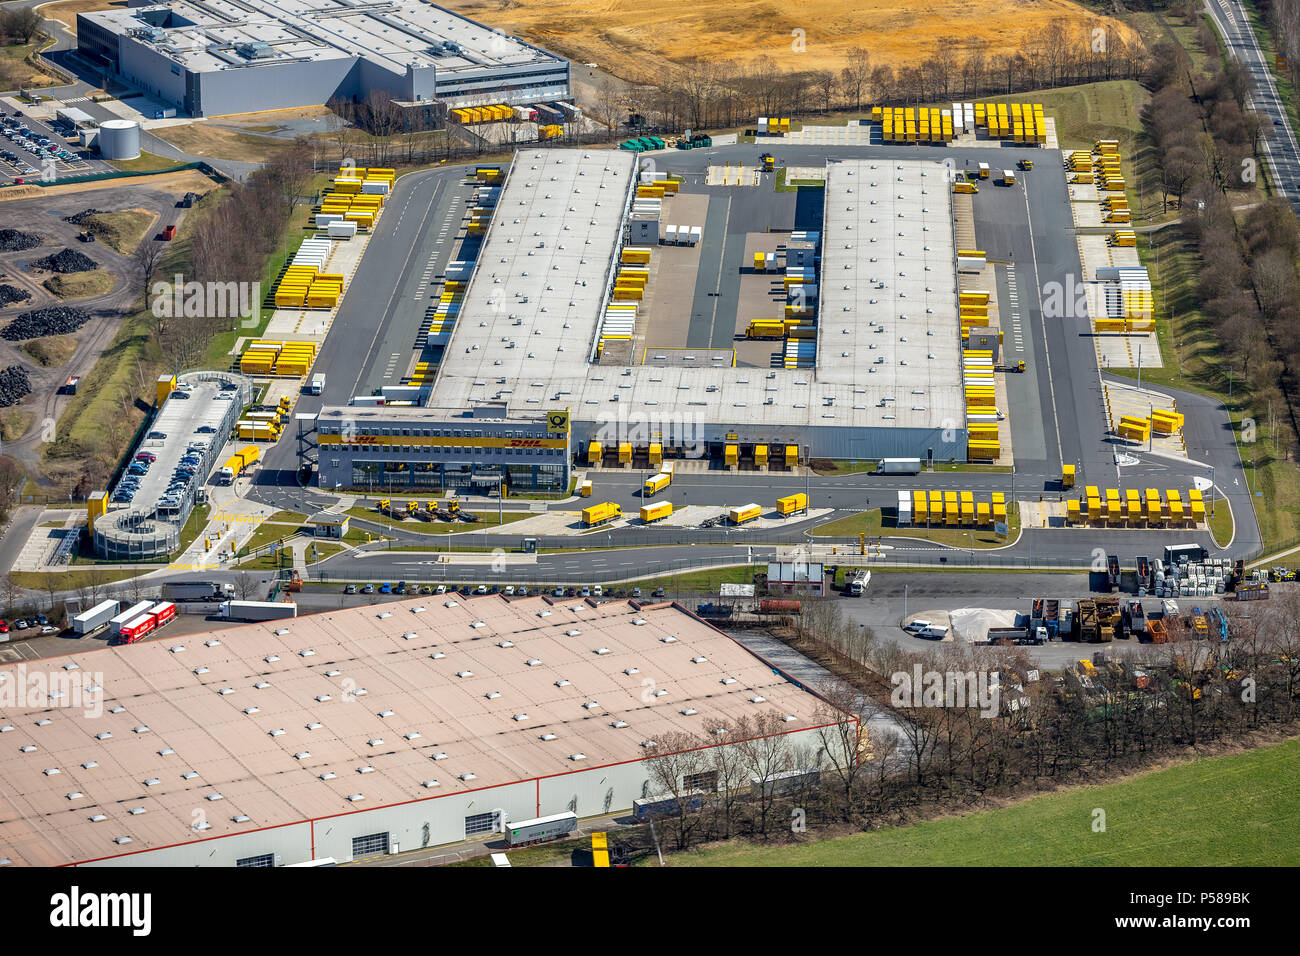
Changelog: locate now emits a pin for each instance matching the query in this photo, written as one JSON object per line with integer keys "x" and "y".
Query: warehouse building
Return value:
{"x": 371, "y": 730}
{"x": 886, "y": 384}
{"x": 214, "y": 57}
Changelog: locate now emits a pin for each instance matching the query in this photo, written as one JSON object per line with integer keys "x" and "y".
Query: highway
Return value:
{"x": 1277, "y": 138}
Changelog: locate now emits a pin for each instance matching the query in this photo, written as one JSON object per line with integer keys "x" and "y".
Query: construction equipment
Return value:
{"x": 385, "y": 507}
{"x": 295, "y": 581}
{"x": 768, "y": 161}
{"x": 1026, "y": 164}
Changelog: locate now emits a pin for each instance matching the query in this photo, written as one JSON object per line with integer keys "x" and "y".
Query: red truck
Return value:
{"x": 146, "y": 623}
{"x": 169, "y": 233}
{"x": 772, "y": 606}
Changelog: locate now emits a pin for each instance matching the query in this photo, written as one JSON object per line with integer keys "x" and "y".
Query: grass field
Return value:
{"x": 869, "y": 523}
{"x": 81, "y": 285}
{"x": 145, "y": 163}
{"x": 120, "y": 231}
{"x": 1238, "y": 810}
{"x": 68, "y": 580}
{"x": 14, "y": 423}
{"x": 204, "y": 139}
{"x": 635, "y": 40}
{"x": 51, "y": 351}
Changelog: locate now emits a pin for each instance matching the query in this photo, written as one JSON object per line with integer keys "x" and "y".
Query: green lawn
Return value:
{"x": 486, "y": 519}
{"x": 291, "y": 517}
{"x": 145, "y": 163}
{"x": 1221, "y": 524}
{"x": 869, "y": 523}
{"x": 1219, "y": 811}
{"x": 70, "y": 580}
{"x": 709, "y": 579}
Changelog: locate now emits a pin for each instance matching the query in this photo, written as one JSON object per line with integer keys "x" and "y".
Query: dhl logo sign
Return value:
{"x": 525, "y": 443}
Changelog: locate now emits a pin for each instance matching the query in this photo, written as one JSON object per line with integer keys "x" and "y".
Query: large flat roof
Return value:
{"x": 394, "y": 32}
{"x": 532, "y": 310}
{"x": 241, "y": 713}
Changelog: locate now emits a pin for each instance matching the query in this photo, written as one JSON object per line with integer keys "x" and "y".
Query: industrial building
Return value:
{"x": 886, "y": 383}
{"x": 364, "y": 731}
{"x": 214, "y": 57}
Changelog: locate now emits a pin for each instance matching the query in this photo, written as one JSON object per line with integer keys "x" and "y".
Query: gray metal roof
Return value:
{"x": 530, "y": 318}
{"x": 395, "y": 34}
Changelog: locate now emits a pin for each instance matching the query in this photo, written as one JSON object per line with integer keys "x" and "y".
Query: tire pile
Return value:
{"x": 55, "y": 320}
{"x": 67, "y": 260}
{"x": 14, "y": 385}
{"x": 10, "y": 294}
{"x": 11, "y": 240}
{"x": 79, "y": 219}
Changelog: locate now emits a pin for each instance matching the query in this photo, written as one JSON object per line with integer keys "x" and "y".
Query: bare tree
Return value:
{"x": 856, "y": 75}
{"x": 680, "y": 760}
{"x": 843, "y": 715}
{"x": 764, "y": 753}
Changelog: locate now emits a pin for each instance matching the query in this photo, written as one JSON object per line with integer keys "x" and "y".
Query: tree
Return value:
{"x": 844, "y": 741}
{"x": 245, "y": 585}
{"x": 856, "y": 75}
{"x": 679, "y": 759}
{"x": 148, "y": 257}
{"x": 764, "y": 753}
{"x": 608, "y": 106}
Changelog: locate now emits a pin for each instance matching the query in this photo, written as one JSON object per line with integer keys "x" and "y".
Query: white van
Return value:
{"x": 935, "y": 631}
{"x": 917, "y": 626}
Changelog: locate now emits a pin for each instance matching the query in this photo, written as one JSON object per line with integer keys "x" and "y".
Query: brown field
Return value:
{"x": 205, "y": 139}
{"x": 66, "y": 11}
{"x": 634, "y": 40}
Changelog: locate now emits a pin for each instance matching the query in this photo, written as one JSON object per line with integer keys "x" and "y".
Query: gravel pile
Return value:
{"x": 13, "y": 385}
{"x": 79, "y": 219}
{"x": 67, "y": 260}
{"x": 56, "y": 320}
{"x": 11, "y": 240}
{"x": 10, "y": 294}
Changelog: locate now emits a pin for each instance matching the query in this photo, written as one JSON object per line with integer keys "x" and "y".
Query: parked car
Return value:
{"x": 42, "y": 619}
{"x": 21, "y": 624}
{"x": 510, "y": 590}
{"x": 440, "y": 589}
{"x": 481, "y": 589}
{"x": 636, "y": 592}
{"x": 368, "y": 589}
{"x": 401, "y": 588}
{"x": 586, "y": 591}
{"x": 385, "y": 588}
{"x": 597, "y": 592}
{"x": 4, "y": 627}
{"x": 659, "y": 592}
{"x": 350, "y": 589}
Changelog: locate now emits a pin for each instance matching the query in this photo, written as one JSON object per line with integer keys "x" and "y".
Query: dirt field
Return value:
{"x": 633, "y": 39}
{"x": 66, "y": 11}
{"x": 204, "y": 139}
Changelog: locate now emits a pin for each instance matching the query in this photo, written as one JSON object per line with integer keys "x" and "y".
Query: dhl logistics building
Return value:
{"x": 521, "y": 395}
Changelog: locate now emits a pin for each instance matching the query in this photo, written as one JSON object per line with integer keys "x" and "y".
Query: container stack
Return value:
{"x": 1129, "y": 303}
{"x": 773, "y": 126}
{"x": 1018, "y": 122}
{"x": 1134, "y": 428}
{"x": 1166, "y": 423}
{"x": 265, "y": 357}
{"x": 958, "y": 508}
{"x": 1106, "y": 166}
{"x": 469, "y": 115}
{"x": 970, "y": 260}
{"x": 915, "y": 125}
{"x": 423, "y": 374}
{"x": 800, "y": 353}
{"x": 973, "y": 306}
{"x": 981, "y": 405}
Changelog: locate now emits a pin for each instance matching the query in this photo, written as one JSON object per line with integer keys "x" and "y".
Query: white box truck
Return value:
{"x": 898, "y": 466}
{"x": 196, "y": 591}
{"x": 317, "y": 384}
{"x": 258, "y": 610}
{"x": 92, "y": 620}
{"x": 126, "y": 617}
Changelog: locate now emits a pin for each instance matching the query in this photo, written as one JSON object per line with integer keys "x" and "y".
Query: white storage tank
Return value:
{"x": 119, "y": 139}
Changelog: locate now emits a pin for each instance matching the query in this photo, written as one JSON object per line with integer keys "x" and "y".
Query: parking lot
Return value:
{"x": 30, "y": 146}
{"x": 173, "y": 460}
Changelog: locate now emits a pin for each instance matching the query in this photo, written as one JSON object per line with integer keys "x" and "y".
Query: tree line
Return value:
{"x": 1206, "y": 141}
{"x": 1140, "y": 707}
{"x": 702, "y": 94}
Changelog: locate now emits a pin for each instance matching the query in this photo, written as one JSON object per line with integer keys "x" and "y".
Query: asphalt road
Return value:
{"x": 1277, "y": 140}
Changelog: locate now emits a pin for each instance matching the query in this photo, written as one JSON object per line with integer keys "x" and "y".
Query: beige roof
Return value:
{"x": 381, "y": 699}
